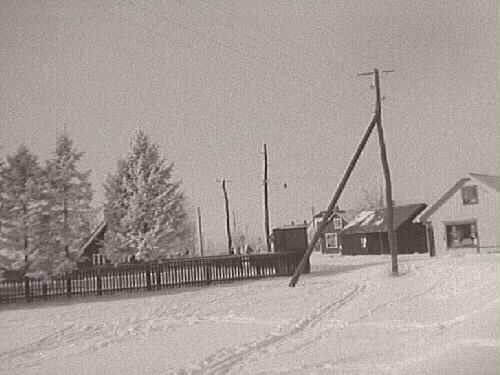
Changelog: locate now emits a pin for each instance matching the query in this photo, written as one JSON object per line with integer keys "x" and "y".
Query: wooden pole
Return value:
{"x": 333, "y": 203}
{"x": 393, "y": 246}
{"x": 228, "y": 220}
{"x": 266, "y": 202}
{"x": 200, "y": 234}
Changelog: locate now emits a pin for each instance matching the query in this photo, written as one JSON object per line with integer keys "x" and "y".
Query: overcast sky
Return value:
{"x": 211, "y": 80}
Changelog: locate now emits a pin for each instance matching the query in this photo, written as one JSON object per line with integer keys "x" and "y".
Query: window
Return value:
{"x": 337, "y": 223}
{"x": 461, "y": 235}
{"x": 331, "y": 240}
{"x": 469, "y": 195}
{"x": 363, "y": 242}
{"x": 97, "y": 259}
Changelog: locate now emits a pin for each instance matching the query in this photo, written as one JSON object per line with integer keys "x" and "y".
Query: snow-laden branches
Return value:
{"x": 144, "y": 208}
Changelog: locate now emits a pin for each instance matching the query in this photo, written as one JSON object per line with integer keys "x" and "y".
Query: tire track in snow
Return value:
{"x": 222, "y": 361}
{"x": 399, "y": 300}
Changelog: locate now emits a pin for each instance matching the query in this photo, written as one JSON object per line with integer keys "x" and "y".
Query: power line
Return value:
{"x": 200, "y": 51}
{"x": 234, "y": 50}
{"x": 269, "y": 36}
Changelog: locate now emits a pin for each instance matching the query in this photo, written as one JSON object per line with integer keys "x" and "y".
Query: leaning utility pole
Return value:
{"x": 266, "y": 201}
{"x": 200, "y": 234}
{"x": 228, "y": 219}
{"x": 393, "y": 245}
{"x": 333, "y": 203}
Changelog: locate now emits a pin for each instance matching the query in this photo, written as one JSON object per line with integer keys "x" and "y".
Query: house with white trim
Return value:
{"x": 465, "y": 217}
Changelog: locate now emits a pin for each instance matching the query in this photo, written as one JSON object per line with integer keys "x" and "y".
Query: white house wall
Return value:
{"x": 485, "y": 213}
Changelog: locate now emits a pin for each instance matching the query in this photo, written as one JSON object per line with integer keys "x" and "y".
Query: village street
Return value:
{"x": 346, "y": 317}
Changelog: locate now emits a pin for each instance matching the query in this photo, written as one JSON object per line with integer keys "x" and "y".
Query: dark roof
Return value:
{"x": 291, "y": 226}
{"x": 346, "y": 215}
{"x": 489, "y": 180}
{"x": 102, "y": 226}
{"x": 374, "y": 220}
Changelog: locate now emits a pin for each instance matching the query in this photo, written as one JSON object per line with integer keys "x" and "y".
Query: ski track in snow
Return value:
{"x": 223, "y": 361}
{"x": 365, "y": 292}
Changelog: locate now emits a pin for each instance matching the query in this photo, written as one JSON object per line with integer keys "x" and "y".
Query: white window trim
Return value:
{"x": 337, "y": 223}
{"x": 332, "y": 238}
{"x": 97, "y": 259}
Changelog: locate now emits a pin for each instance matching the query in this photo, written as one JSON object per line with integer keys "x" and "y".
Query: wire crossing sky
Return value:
{"x": 212, "y": 80}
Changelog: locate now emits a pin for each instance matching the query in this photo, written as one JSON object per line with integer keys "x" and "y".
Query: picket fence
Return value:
{"x": 104, "y": 280}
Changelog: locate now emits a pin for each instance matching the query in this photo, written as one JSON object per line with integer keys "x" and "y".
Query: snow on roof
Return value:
{"x": 374, "y": 220}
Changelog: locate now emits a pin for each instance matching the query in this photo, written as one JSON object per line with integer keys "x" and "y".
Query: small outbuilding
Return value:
{"x": 367, "y": 233}
{"x": 465, "y": 217}
{"x": 291, "y": 238}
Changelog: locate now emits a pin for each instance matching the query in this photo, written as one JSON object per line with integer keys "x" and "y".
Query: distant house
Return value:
{"x": 367, "y": 232}
{"x": 329, "y": 241}
{"x": 465, "y": 217}
{"x": 90, "y": 252}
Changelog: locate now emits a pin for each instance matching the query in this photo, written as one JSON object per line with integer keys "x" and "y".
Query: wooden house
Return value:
{"x": 465, "y": 217}
{"x": 367, "y": 232}
{"x": 90, "y": 252}
{"x": 329, "y": 241}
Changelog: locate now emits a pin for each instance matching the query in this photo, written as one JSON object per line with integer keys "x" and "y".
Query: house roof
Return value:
{"x": 346, "y": 215}
{"x": 98, "y": 229}
{"x": 374, "y": 220}
{"x": 492, "y": 182}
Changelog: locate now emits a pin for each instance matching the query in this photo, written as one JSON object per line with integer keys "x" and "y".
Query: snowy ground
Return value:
{"x": 347, "y": 317}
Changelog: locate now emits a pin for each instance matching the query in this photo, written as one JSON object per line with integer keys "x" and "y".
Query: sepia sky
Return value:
{"x": 211, "y": 80}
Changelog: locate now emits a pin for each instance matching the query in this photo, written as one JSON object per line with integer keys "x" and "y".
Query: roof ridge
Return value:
{"x": 483, "y": 174}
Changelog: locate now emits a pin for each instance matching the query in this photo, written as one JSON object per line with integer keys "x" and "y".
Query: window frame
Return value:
{"x": 470, "y": 195}
{"x": 337, "y": 223}
{"x": 329, "y": 241}
{"x": 97, "y": 259}
{"x": 465, "y": 233}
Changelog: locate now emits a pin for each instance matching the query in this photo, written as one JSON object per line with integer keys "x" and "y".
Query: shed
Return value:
{"x": 291, "y": 238}
{"x": 367, "y": 232}
{"x": 465, "y": 217}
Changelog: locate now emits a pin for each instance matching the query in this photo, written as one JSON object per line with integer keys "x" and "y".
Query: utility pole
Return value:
{"x": 235, "y": 233}
{"x": 200, "y": 234}
{"x": 333, "y": 203}
{"x": 228, "y": 219}
{"x": 393, "y": 246}
{"x": 266, "y": 201}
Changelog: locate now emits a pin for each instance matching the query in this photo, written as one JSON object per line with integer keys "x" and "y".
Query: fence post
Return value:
{"x": 148, "y": 277}
{"x": 99, "y": 282}
{"x": 208, "y": 272}
{"x": 158, "y": 275}
{"x": 68, "y": 285}
{"x": 44, "y": 290}
{"x": 27, "y": 289}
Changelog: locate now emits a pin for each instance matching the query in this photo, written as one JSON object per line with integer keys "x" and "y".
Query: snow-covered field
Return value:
{"x": 347, "y": 317}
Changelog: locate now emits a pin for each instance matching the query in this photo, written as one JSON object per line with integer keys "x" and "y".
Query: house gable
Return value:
{"x": 452, "y": 199}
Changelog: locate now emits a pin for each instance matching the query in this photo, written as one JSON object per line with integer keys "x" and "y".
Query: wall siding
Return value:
{"x": 485, "y": 213}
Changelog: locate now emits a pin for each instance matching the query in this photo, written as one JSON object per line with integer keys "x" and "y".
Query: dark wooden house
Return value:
{"x": 90, "y": 252}
{"x": 367, "y": 233}
{"x": 329, "y": 241}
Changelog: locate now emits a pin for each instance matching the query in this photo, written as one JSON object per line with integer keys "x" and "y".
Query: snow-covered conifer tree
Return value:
{"x": 69, "y": 194}
{"x": 23, "y": 227}
{"x": 144, "y": 208}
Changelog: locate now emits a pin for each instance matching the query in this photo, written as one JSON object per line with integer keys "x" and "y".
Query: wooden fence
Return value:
{"x": 173, "y": 273}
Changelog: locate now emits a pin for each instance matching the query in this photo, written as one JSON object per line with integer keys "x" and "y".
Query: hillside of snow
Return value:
{"x": 348, "y": 316}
